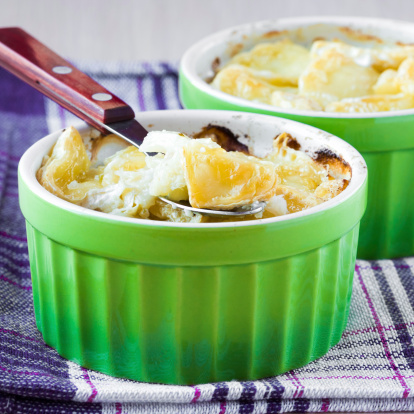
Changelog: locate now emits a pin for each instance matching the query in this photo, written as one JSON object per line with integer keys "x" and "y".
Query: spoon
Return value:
{"x": 59, "y": 80}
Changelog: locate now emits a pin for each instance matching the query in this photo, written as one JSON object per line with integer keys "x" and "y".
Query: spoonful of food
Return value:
{"x": 59, "y": 80}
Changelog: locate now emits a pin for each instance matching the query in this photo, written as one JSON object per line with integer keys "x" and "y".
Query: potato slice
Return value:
{"x": 128, "y": 159}
{"x": 297, "y": 199}
{"x": 284, "y": 59}
{"x": 394, "y": 82}
{"x": 386, "y": 83}
{"x": 360, "y": 55}
{"x": 68, "y": 162}
{"x": 217, "y": 179}
{"x": 104, "y": 147}
{"x": 336, "y": 75}
{"x": 239, "y": 81}
{"x": 379, "y": 58}
{"x": 295, "y": 168}
{"x": 305, "y": 182}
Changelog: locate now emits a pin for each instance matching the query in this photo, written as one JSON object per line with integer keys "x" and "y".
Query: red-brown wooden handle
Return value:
{"x": 40, "y": 67}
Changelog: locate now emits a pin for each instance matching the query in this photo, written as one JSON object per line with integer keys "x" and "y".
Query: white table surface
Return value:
{"x": 163, "y": 29}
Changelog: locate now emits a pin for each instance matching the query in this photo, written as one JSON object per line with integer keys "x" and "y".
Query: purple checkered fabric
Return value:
{"x": 371, "y": 369}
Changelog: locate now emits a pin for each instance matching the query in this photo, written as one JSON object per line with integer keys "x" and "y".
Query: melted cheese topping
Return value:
{"x": 225, "y": 180}
{"x": 281, "y": 63}
{"x": 338, "y": 76}
{"x": 245, "y": 83}
{"x": 331, "y": 76}
{"x": 129, "y": 182}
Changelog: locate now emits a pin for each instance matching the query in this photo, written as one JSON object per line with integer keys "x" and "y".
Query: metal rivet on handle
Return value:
{"x": 62, "y": 70}
{"x": 102, "y": 96}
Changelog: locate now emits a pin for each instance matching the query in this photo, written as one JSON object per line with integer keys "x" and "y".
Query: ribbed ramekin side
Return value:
{"x": 187, "y": 325}
{"x": 235, "y": 321}
{"x": 302, "y": 306}
{"x": 44, "y": 282}
{"x": 387, "y": 229}
{"x": 31, "y": 243}
{"x": 349, "y": 246}
{"x": 124, "y": 319}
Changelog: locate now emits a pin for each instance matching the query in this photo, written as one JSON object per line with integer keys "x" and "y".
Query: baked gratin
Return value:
{"x": 330, "y": 76}
{"x": 210, "y": 170}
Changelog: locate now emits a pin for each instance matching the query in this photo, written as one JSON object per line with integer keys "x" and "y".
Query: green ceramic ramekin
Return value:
{"x": 192, "y": 303}
{"x": 385, "y": 139}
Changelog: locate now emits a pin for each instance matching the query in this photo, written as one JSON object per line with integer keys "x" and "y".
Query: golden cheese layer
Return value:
{"x": 198, "y": 171}
{"x": 331, "y": 76}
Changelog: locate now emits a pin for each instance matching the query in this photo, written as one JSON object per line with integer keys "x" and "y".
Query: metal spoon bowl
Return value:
{"x": 254, "y": 208}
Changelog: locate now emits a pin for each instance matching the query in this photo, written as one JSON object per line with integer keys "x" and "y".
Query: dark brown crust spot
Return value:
{"x": 222, "y": 136}
{"x": 215, "y": 67}
{"x": 358, "y": 35}
{"x": 290, "y": 141}
{"x": 327, "y": 157}
{"x": 215, "y": 64}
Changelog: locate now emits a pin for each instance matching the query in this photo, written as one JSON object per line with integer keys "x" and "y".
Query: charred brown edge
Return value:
{"x": 322, "y": 156}
{"x": 290, "y": 142}
{"x": 326, "y": 156}
{"x": 223, "y": 137}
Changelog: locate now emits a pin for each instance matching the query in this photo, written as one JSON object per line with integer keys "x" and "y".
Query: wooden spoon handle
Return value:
{"x": 36, "y": 64}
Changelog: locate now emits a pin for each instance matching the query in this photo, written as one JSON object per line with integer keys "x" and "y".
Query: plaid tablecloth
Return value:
{"x": 371, "y": 369}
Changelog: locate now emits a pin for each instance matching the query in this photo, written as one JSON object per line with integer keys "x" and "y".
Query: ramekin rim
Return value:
{"x": 195, "y": 50}
{"x": 358, "y": 167}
